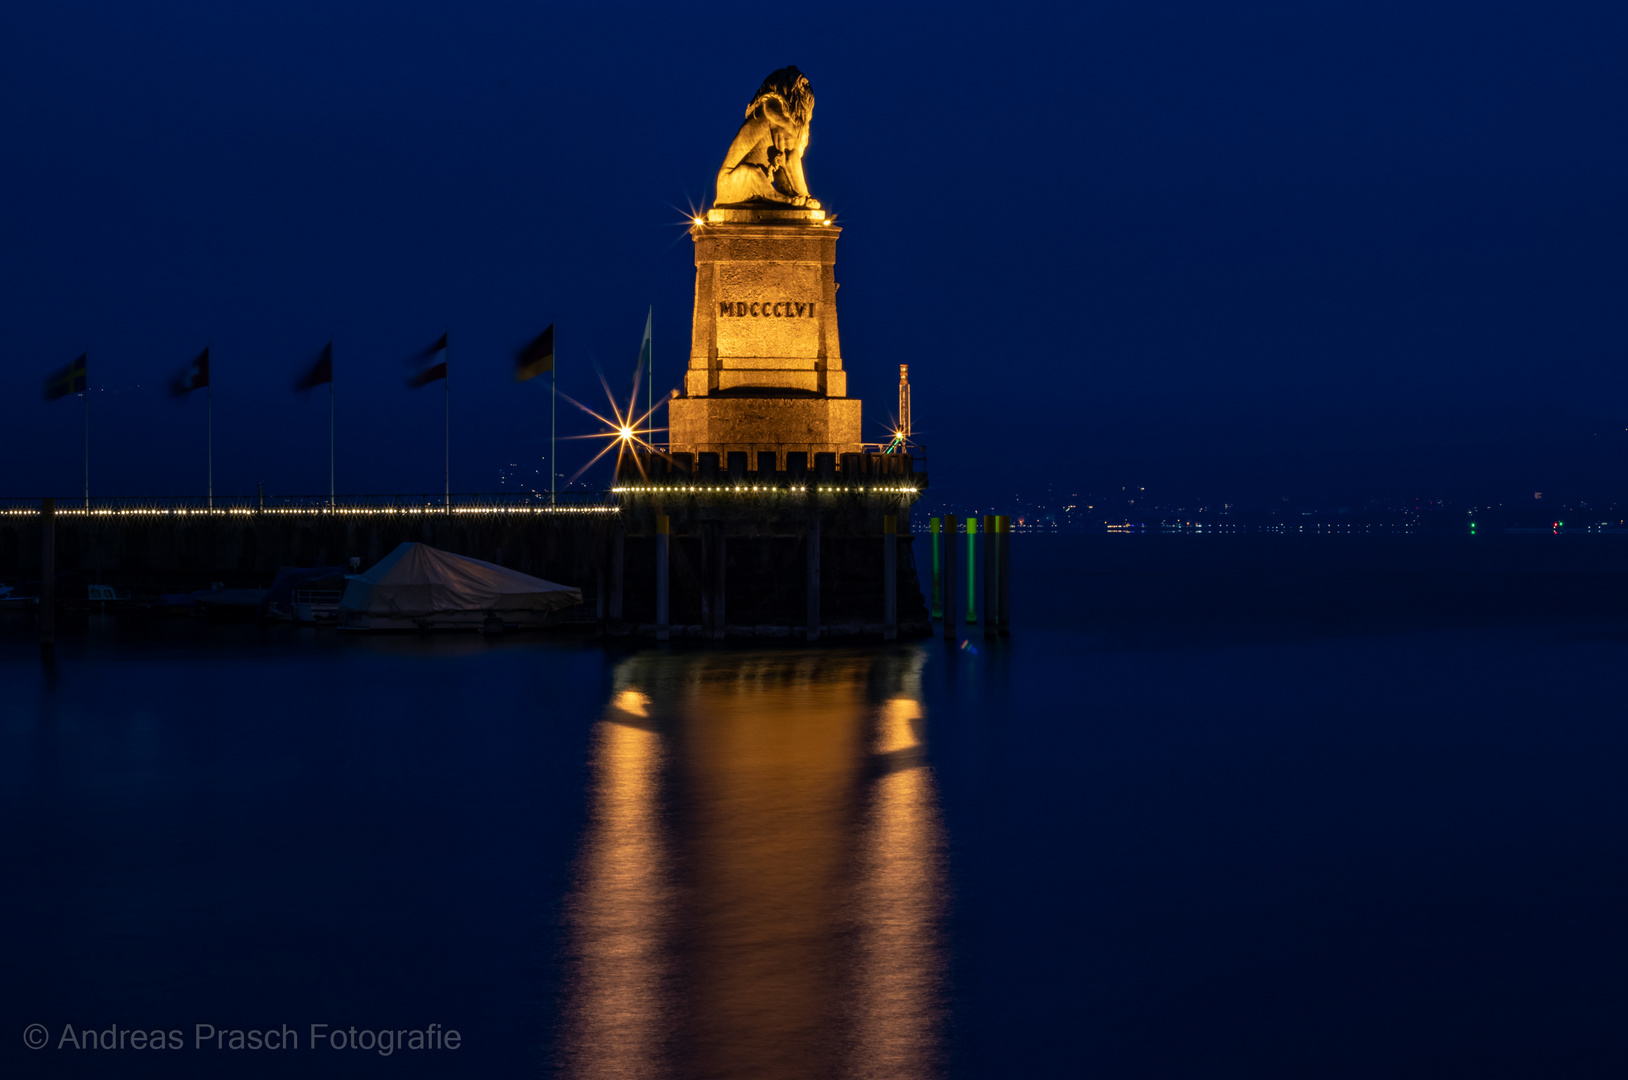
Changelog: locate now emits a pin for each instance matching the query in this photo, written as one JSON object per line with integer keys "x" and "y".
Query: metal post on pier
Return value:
{"x": 936, "y": 542}
{"x": 890, "y": 577}
{"x": 663, "y": 561}
{"x": 992, "y": 576}
{"x": 1003, "y": 595}
{"x": 48, "y": 573}
{"x": 813, "y": 633}
{"x": 949, "y": 577}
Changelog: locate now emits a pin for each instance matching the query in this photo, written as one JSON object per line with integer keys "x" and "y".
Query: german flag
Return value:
{"x": 537, "y": 356}
{"x": 70, "y": 380}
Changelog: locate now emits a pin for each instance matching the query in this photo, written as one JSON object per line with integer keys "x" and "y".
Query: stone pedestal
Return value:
{"x": 765, "y": 367}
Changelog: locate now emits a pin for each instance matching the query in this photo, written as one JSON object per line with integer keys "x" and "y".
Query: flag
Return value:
{"x": 423, "y": 355}
{"x": 321, "y": 372}
{"x": 537, "y": 357}
{"x": 428, "y": 375}
{"x": 70, "y": 380}
{"x": 195, "y": 377}
{"x": 644, "y": 345}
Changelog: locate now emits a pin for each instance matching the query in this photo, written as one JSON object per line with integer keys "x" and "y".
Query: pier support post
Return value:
{"x": 618, "y": 543}
{"x": 949, "y": 577}
{"x": 1005, "y": 592}
{"x": 720, "y": 618}
{"x": 814, "y": 578}
{"x": 48, "y": 574}
{"x": 708, "y": 556}
{"x": 600, "y": 598}
{"x": 992, "y": 577}
{"x": 663, "y": 539}
{"x": 890, "y": 577}
{"x": 936, "y": 542}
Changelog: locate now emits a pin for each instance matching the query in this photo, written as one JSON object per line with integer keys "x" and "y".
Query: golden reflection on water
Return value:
{"x": 760, "y": 889}
{"x": 618, "y": 1011}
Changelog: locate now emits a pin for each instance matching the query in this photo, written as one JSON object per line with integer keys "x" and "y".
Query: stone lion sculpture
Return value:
{"x": 765, "y": 162}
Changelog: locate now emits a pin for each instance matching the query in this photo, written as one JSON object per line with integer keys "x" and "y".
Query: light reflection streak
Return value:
{"x": 899, "y": 992}
{"x": 761, "y": 886}
{"x": 618, "y": 918}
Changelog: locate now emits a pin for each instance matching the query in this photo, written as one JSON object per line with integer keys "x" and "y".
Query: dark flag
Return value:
{"x": 321, "y": 372}
{"x": 70, "y": 380}
{"x": 536, "y": 358}
{"x": 195, "y": 377}
{"x": 428, "y": 375}
{"x": 424, "y": 354}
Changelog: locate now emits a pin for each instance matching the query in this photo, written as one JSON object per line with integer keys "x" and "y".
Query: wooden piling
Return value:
{"x": 600, "y": 599}
{"x": 618, "y": 544}
{"x": 708, "y": 556}
{"x": 720, "y": 618}
{"x": 992, "y": 576}
{"x": 1005, "y": 592}
{"x": 813, "y": 632}
{"x": 890, "y": 577}
{"x": 663, "y": 539}
{"x": 48, "y": 574}
{"x": 949, "y": 577}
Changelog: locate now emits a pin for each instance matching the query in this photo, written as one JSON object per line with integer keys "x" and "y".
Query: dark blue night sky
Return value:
{"x": 1226, "y": 249}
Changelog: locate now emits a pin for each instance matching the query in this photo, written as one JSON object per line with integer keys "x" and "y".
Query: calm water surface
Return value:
{"x": 1188, "y": 834}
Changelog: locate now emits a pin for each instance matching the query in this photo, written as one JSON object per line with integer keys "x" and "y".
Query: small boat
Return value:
{"x": 318, "y": 601}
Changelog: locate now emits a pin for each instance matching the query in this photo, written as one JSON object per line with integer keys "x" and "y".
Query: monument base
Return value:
{"x": 719, "y": 424}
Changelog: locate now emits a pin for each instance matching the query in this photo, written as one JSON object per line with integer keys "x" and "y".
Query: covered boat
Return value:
{"x": 417, "y": 587}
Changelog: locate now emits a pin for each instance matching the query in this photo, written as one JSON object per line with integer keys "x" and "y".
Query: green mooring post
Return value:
{"x": 992, "y": 576}
{"x": 949, "y": 577}
{"x": 972, "y": 569}
{"x": 934, "y": 527}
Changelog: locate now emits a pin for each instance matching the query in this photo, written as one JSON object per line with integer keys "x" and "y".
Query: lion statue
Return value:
{"x": 765, "y": 162}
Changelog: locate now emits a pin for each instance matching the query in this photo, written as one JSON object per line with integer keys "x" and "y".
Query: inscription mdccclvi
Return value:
{"x": 761, "y": 309}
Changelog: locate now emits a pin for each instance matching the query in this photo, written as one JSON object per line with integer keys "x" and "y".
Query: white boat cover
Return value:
{"x": 417, "y": 587}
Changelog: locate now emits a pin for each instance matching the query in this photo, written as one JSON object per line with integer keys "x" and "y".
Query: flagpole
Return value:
{"x": 553, "y": 467}
{"x": 87, "y": 435}
{"x": 446, "y": 388}
{"x": 209, "y": 398}
{"x": 650, "y": 376}
{"x": 330, "y": 428}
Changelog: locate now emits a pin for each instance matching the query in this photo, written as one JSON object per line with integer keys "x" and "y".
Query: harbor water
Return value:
{"x": 1257, "y": 809}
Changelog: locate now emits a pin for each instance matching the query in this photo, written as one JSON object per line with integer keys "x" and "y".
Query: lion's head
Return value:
{"x": 789, "y": 87}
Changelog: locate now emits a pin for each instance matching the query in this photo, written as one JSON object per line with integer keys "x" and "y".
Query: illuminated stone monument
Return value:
{"x": 765, "y": 369}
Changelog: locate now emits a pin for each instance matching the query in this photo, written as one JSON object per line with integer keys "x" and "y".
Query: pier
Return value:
{"x": 681, "y": 546}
